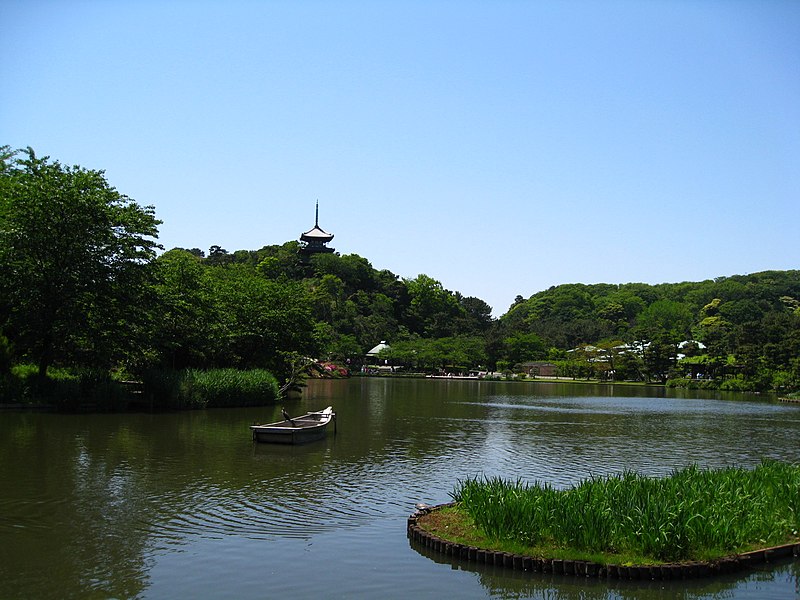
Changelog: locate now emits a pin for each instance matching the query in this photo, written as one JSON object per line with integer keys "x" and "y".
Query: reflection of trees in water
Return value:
{"x": 504, "y": 583}
{"x": 108, "y": 542}
{"x": 96, "y": 500}
{"x": 95, "y": 495}
{"x": 72, "y": 514}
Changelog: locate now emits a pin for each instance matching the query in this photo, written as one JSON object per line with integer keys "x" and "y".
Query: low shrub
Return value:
{"x": 693, "y": 384}
{"x": 740, "y": 384}
{"x": 72, "y": 390}
{"x": 66, "y": 389}
{"x": 331, "y": 370}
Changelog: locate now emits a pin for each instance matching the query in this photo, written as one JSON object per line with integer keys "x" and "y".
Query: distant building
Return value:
{"x": 539, "y": 369}
{"x": 377, "y": 349}
{"x": 315, "y": 239}
{"x": 374, "y": 364}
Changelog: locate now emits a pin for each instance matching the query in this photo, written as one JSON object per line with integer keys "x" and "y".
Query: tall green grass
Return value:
{"x": 693, "y": 513}
{"x": 230, "y": 387}
{"x": 194, "y": 388}
{"x": 91, "y": 389}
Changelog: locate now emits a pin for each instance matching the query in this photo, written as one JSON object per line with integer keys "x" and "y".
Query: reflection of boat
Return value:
{"x": 295, "y": 430}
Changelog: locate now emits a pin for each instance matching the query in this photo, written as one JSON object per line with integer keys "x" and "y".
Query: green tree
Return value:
{"x": 375, "y": 319}
{"x": 74, "y": 254}
{"x": 461, "y": 352}
{"x": 665, "y": 319}
{"x": 524, "y": 347}
{"x": 345, "y": 348}
{"x": 356, "y": 272}
{"x": 217, "y": 255}
{"x": 280, "y": 262}
{"x": 477, "y": 315}
{"x": 715, "y": 332}
{"x": 328, "y": 297}
{"x": 433, "y": 309}
{"x": 262, "y": 320}
{"x": 186, "y": 331}
{"x": 660, "y": 357}
{"x": 619, "y": 310}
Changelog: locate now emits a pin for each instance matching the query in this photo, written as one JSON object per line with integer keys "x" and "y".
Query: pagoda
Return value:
{"x": 313, "y": 241}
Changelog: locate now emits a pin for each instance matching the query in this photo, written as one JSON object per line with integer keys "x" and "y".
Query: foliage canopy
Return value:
{"x": 81, "y": 285}
{"x": 73, "y": 257}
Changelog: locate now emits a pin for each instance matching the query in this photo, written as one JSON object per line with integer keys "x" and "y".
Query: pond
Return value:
{"x": 185, "y": 505}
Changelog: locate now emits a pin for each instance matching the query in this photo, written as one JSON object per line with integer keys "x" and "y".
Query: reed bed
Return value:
{"x": 194, "y": 388}
{"x": 692, "y": 514}
{"x": 230, "y": 387}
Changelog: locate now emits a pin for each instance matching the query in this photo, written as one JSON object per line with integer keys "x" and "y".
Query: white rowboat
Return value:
{"x": 295, "y": 430}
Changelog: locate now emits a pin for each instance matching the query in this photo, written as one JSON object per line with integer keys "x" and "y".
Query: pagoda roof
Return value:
{"x": 316, "y": 233}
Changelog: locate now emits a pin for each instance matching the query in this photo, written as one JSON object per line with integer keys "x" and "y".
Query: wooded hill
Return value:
{"x": 82, "y": 285}
{"x": 744, "y": 330}
{"x": 744, "y": 327}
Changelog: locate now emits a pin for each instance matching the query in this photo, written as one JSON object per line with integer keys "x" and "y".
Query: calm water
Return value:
{"x": 185, "y": 505}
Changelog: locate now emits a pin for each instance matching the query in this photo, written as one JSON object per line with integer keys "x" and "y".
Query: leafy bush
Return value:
{"x": 787, "y": 380}
{"x": 24, "y": 371}
{"x": 66, "y": 389}
{"x": 739, "y": 384}
{"x": 12, "y": 391}
{"x": 693, "y": 384}
{"x": 332, "y": 370}
{"x": 60, "y": 388}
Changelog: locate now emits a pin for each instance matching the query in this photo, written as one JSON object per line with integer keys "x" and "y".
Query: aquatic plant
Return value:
{"x": 229, "y": 387}
{"x": 692, "y": 513}
{"x": 195, "y": 388}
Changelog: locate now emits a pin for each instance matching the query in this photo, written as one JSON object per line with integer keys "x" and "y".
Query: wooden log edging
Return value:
{"x": 581, "y": 568}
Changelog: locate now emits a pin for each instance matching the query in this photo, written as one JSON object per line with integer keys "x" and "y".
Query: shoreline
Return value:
{"x": 570, "y": 380}
{"x": 581, "y": 568}
{"x": 512, "y": 380}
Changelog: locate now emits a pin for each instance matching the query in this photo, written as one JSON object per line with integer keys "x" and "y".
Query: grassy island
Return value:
{"x": 692, "y": 515}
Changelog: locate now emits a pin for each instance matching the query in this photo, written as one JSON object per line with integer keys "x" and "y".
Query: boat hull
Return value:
{"x": 274, "y": 435}
{"x": 299, "y": 430}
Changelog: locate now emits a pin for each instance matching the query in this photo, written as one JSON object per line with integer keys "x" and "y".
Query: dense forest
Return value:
{"x": 743, "y": 330}
{"x": 85, "y": 285}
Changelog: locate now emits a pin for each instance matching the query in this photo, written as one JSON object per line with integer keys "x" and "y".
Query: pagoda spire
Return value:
{"x": 315, "y": 239}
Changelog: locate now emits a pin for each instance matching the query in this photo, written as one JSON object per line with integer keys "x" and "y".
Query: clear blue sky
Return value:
{"x": 499, "y": 147}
